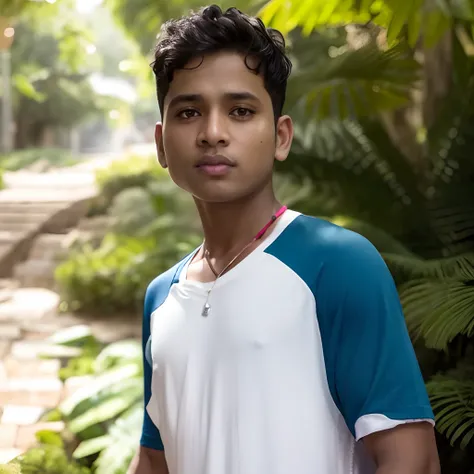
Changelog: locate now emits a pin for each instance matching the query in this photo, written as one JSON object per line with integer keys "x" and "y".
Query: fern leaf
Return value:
{"x": 438, "y": 310}
{"x": 452, "y": 401}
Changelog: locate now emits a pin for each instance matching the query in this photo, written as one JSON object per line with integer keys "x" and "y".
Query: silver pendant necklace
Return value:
{"x": 207, "y": 306}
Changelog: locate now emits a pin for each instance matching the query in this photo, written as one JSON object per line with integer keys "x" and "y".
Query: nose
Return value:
{"x": 214, "y": 131}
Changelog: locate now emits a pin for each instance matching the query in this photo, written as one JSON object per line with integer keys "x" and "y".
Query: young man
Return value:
{"x": 279, "y": 345}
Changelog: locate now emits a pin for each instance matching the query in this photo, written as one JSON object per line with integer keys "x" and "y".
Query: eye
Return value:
{"x": 242, "y": 112}
{"x": 187, "y": 113}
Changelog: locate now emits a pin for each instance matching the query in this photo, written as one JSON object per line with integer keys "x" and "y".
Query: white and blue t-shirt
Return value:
{"x": 305, "y": 352}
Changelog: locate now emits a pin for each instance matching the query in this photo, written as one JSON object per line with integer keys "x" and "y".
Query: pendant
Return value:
{"x": 206, "y": 309}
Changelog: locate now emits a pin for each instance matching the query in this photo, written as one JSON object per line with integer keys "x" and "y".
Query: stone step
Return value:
{"x": 29, "y": 304}
{"x": 49, "y": 247}
{"x": 44, "y": 391}
{"x": 36, "y": 273}
{"x": 21, "y": 415}
{"x": 8, "y": 284}
{"x": 9, "y": 237}
{"x": 51, "y": 194}
{"x": 5, "y": 248}
{"x": 13, "y": 218}
{"x": 31, "y": 208}
{"x": 20, "y": 226}
{"x": 9, "y": 332}
{"x": 20, "y": 368}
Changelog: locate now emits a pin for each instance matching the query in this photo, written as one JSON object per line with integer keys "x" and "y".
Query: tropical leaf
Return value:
{"x": 452, "y": 203}
{"x": 143, "y": 19}
{"x": 91, "y": 446}
{"x": 108, "y": 409}
{"x": 74, "y": 336}
{"x": 414, "y": 267}
{"x": 124, "y": 436}
{"x": 452, "y": 401}
{"x": 106, "y": 380}
{"x": 118, "y": 353}
{"x": 370, "y": 177}
{"x": 400, "y": 18}
{"x": 352, "y": 83}
{"x": 439, "y": 310}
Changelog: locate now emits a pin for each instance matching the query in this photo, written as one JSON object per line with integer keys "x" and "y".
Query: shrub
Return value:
{"x": 45, "y": 460}
{"x": 154, "y": 224}
{"x": 132, "y": 211}
{"x": 52, "y": 157}
{"x": 132, "y": 171}
{"x": 114, "y": 277}
{"x": 106, "y": 414}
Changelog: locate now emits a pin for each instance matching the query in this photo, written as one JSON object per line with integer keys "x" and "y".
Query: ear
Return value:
{"x": 284, "y": 137}
{"x": 159, "y": 145}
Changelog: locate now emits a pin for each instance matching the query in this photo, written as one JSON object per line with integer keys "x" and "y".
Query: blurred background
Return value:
{"x": 382, "y": 96}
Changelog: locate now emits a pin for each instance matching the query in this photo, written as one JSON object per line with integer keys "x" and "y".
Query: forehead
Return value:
{"x": 216, "y": 74}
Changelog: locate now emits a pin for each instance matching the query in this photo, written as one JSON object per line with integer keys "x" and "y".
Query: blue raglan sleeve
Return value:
{"x": 150, "y": 437}
{"x": 372, "y": 370}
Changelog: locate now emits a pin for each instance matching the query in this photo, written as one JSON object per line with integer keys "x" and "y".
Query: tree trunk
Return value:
{"x": 437, "y": 74}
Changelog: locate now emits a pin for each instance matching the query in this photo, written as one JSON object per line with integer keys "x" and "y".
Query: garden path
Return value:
{"x": 36, "y": 212}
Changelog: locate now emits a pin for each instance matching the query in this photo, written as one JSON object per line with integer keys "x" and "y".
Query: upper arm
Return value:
{"x": 410, "y": 448}
{"x": 149, "y": 461}
{"x": 373, "y": 373}
{"x": 150, "y": 437}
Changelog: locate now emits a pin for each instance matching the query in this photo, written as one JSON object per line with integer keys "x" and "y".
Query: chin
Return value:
{"x": 219, "y": 194}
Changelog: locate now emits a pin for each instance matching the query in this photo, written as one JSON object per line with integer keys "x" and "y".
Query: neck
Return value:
{"x": 232, "y": 225}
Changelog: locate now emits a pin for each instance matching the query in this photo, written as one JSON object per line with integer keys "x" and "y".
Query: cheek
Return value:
{"x": 174, "y": 141}
{"x": 261, "y": 140}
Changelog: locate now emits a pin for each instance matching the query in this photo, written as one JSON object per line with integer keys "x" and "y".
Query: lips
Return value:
{"x": 215, "y": 165}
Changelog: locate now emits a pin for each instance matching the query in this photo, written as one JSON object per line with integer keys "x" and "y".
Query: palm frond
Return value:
{"x": 413, "y": 267}
{"x": 451, "y": 203}
{"x": 439, "y": 310}
{"x": 431, "y": 19}
{"x": 352, "y": 83}
{"x": 452, "y": 399}
{"x": 364, "y": 173}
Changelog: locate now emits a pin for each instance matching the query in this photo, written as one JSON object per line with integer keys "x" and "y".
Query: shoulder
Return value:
{"x": 314, "y": 247}
{"x": 158, "y": 288}
{"x": 332, "y": 241}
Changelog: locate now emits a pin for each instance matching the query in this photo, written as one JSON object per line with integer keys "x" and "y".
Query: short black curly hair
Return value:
{"x": 211, "y": 30}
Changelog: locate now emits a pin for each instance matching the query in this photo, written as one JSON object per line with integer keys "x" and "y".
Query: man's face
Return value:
{"x": 218, "y": 137}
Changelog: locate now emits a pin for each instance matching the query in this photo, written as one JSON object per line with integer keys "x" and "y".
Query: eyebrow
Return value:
{"x": 193, "y": 98}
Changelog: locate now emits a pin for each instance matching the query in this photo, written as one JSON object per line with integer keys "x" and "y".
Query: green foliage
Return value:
{"x": 400, "y": 18}
{"x": 47, "y": 459}
{"x": 154, "y": 225}
{"x": 110, "y": 278}
{"x": 1, "y": 179}
{"x": 132, "y": 211}
{"x": 114, "y": 277}
{"x": 90, "y": 349}
{"x": 131, "y": 171}
{"x": 10, "y": 469}
{"x": 452, "y": 398}
{"x": 143, "y": 19}
{"x": 45, "y": 10}
{"x": 50, "y": 73}
{"x": 440, "y": 308}
{"x": 113, "y": 402}
{"x": 53, "y": 157}
{"x": 348, "y": 82}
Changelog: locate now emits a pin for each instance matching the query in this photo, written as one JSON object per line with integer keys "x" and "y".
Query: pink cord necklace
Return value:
{"x": 207, "y": 307}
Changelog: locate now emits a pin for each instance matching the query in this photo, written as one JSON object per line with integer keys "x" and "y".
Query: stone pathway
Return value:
{"x": 29, "y": 384}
